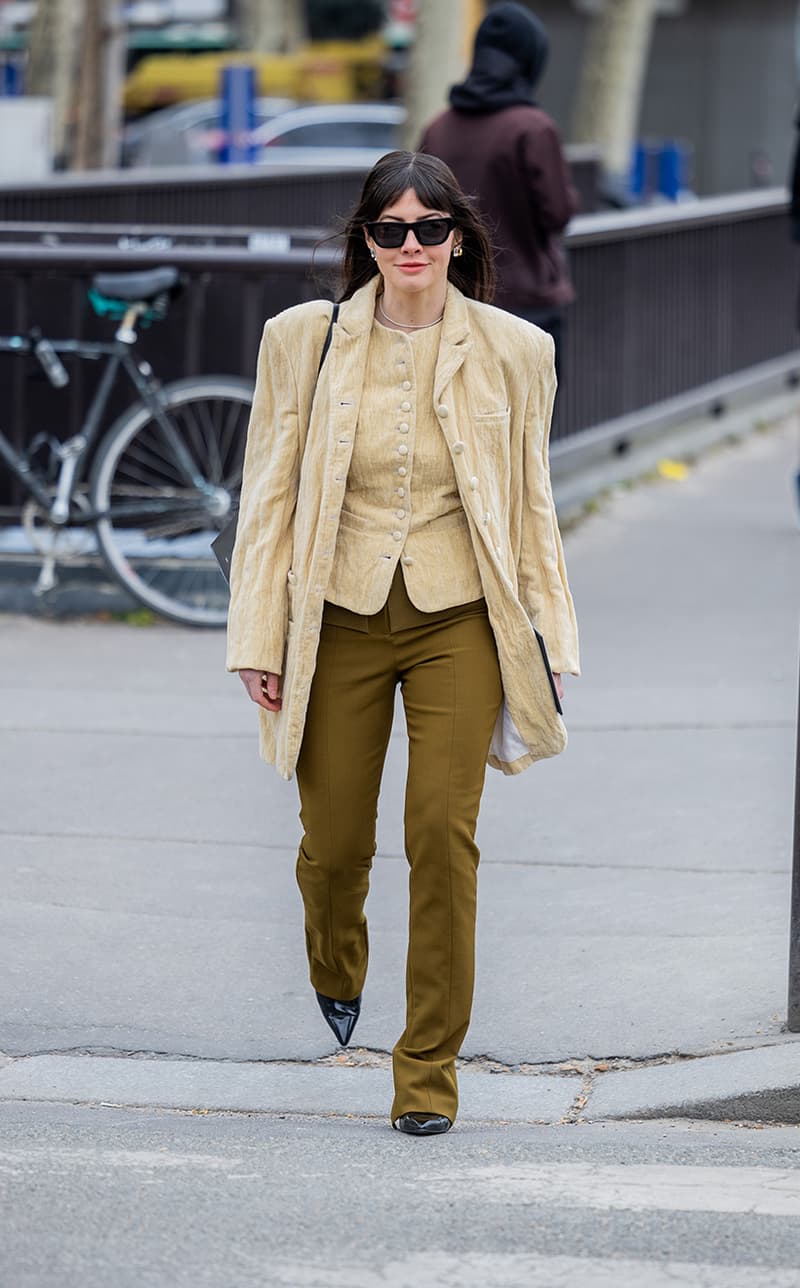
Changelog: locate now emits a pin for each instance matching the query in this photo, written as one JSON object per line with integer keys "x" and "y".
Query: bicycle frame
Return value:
{"x": 74, "y": 452}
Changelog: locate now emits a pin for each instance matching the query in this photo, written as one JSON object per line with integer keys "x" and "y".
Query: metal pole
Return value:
{"x": 793, "y": 1019}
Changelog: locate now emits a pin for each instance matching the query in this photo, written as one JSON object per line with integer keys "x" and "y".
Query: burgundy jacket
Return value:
{"x": 512, "y": 162}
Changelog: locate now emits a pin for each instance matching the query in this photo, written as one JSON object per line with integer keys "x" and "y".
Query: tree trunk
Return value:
{"x": 100, "y": 76}
{"x": 53, "y": 64}
{"x": 42, "y": 47}
{"x": 440, "y": 56}
{"x": 271, "y": 26}
{"x": 612, "y": 80}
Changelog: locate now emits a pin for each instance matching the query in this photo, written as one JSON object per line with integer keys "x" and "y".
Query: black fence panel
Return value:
{"x": 671, "y": 300}
{"x": 668, "y": 301}
{"x": 206, "y": 195}
{"x": 259, "y": 197}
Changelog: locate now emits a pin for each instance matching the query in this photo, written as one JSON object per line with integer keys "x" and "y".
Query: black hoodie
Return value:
{"x": 506, "y": 152}
{"x": 511, "y": 48}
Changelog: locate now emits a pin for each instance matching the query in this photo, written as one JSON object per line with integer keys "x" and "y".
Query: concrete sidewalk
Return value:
{"x": 633, "y": 924}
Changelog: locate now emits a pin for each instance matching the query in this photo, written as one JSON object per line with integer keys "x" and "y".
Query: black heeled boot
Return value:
{"x": 341, "y": 1016}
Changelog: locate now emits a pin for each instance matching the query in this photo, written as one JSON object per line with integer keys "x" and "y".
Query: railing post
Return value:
{"x": 793, "y": 1018}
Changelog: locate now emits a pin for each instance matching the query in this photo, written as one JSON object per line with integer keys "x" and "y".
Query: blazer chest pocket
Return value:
{"x": 491, "y": 431}
{"x": 499, "y": 413}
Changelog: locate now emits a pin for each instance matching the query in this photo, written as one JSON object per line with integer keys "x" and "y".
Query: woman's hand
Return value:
{"x": 263, "y": 688}
{"x": 557, "y": 681}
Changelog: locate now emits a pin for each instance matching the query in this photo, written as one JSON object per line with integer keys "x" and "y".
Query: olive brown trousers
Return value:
{"x": 446, "y": 665}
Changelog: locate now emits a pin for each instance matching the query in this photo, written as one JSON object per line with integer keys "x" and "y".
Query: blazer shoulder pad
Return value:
{"x": 506, "y": 330}
{"x": 300, "y": 319}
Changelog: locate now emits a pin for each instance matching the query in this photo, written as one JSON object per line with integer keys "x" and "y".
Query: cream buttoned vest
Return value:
{"x": 401, "y": 500}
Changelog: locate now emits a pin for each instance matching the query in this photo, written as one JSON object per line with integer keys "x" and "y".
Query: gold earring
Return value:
{"x": 458, "y": 251}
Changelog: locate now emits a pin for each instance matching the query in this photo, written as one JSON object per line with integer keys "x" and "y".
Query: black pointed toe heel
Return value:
{"x": 340, "y": 1016}
{"x": 422, "y": 1124}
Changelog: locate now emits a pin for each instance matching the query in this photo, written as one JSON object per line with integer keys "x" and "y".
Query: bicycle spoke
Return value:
{"x": 157, "y": 526}
{"x": 212, "y": 442}
{"x": 233, "y": 433}
{"x": 192, "y": 434}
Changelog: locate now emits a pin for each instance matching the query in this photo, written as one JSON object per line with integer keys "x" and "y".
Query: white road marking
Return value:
{"x": 503, "y": 1270}
{"x": 761, "y": 1191}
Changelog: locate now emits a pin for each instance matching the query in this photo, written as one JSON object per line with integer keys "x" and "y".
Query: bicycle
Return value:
{"x": 165, "y": 476}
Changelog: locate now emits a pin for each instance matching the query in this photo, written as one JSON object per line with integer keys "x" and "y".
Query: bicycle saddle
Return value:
{"x": 136, "y": 287}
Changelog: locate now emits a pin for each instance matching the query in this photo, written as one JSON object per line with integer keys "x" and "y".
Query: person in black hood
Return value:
{"x": 507, "y": 153}
{"x": 510, "y": 55}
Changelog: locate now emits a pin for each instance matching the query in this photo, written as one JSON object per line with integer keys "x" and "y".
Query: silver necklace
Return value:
{"x": 410, "y": 326}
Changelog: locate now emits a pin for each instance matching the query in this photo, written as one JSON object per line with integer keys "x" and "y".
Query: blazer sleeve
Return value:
{"x": 259, "y": 607}
{"x": 542, "y": 574}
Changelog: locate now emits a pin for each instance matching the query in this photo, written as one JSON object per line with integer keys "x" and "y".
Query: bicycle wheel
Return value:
{"x": 156, "y": 529}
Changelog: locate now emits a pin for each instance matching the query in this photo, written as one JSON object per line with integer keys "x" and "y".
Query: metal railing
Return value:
{"x": 669, "y": 301}
{"x": 673, "y": 299}
{"x": 259, "y": 196}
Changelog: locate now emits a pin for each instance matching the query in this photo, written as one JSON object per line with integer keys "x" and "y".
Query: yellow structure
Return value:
{"x": 335, "y": 71}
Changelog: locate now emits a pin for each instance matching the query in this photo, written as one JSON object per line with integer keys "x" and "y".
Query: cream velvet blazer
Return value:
{"x": 493, "y": 399}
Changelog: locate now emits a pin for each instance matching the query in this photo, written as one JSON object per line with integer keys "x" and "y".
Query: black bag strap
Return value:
{"x": 328, "y": 337}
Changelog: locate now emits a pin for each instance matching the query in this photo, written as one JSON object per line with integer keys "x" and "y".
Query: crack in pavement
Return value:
{"x": 372, "y": 1057}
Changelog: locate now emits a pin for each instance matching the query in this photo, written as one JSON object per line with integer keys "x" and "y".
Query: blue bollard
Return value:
{"x": 673, "y": 165}
{"x": 11, "y": 78}
{"x": 238, "y": 94}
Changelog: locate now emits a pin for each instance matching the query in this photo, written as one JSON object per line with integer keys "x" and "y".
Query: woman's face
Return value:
{"x": 412, "y": 267}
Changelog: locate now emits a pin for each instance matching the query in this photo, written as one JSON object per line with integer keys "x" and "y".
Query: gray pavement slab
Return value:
{"x": 634, "y": 892}
{"x": 271, "y": 1088}
{"x": 761, "y": 1085}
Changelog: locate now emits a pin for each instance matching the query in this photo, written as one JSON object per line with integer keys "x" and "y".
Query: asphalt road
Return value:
{"x": 95, "y": 1197}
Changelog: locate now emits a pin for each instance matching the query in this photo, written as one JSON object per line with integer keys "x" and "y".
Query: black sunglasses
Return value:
{"x": 390, "y": 235}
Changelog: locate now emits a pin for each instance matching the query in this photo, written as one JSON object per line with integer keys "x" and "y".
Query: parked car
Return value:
{"x": 330, "y": 134}
{"x": 188, "y": 133}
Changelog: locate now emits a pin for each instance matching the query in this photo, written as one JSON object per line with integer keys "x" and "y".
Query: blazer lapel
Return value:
{"x": 348, "y": 360}
{"x": 455, "y": 342}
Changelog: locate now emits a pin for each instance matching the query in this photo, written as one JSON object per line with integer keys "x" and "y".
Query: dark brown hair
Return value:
{"x": 436, "y": 187}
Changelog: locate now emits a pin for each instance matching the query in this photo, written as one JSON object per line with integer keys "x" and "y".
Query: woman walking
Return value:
{"x": 397, "y": 527}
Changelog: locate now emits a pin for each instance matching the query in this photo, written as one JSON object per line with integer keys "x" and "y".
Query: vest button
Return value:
{"x": 443, "y": 411}
{"x": 403, "y": 450}
{"x": 405, "y": 406}
{"x": 406, "y": 384}
{"x": 458, "y": 448}
{"x": 398, "y": 536}
{"x": 402, "y": 471}
{"x": 403, "y": 428}
{"x": 473, "y": 483}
